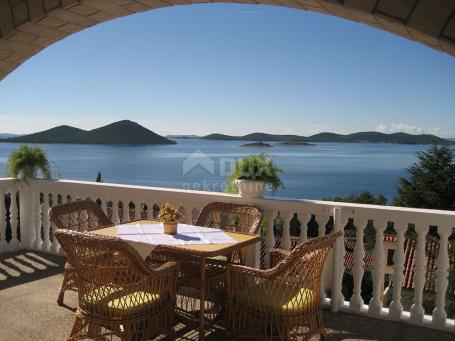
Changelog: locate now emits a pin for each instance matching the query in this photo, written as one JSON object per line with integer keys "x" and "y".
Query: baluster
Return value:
{"x": 396, "y": 307}
{"x": 46, "y": 223}
{"x": 441, "y": 283}
{"x": 322, "y": 220}
{"x": 337, "y": 299}
{"x": 115, "y": 215}
{"x": 306, "y": 217}
{"x": 286, "y": 237}
{"x": 55, "y": 248}
{"x": 377, "y": 274}
{"x": 3, "y": 243}
{"x": 269, "y": 238}
{"x": 38, "y": 244}
{"x": 104, "y": 206}
{"x": 417, "y": 310}
{"x": 356, "y": 302}
{"x": 14, "y": 243}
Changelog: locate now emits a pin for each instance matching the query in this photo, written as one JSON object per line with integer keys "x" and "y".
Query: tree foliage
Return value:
{"x": 25, "y": 162}
{"x": 430, "y": 182}
{"x": 365, "y": 197}
{"x": 99, "y": 177}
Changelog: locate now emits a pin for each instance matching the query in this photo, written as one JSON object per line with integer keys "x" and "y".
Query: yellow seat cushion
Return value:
{"x": 276, "y": 299}
{"x": 117, "y": 302}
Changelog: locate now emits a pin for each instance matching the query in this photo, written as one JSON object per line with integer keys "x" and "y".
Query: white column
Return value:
{"x": 377, "y": 274}
{"x": 26, "y": 215}
{"x": 439, "y": 313}
{"x": 270, "y": 237}
{"x": 55, "y": 248}
{"x": 46, "y": 223}
{"x": 38, "y": 243}
{"x": 286, "y": 238}
{"x": 321, "y": 220}
{"x": 3, "y": 243}
{"x": 417, "y": 310}
{"x": 103, "y": 206}
{"x": 115, "y": 216}
{"x": 306, "y": 217}
{"x": 338, "y": 254}
{"x": 356, "y": 302}
{"x": 396, "y": 307}
{"x": 14, "y": 243}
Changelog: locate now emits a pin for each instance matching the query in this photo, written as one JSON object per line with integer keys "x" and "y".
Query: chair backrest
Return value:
{"x": 302, "y": 270}
{"x": 82, "y": 216}
{"x": 231, "y": 217}
{"x": 106, "y": 266}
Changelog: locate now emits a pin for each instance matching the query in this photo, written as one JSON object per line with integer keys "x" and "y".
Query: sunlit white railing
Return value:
{"x": 123, "y": 203}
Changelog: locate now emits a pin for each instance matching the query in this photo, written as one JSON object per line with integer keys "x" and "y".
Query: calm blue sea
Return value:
{"x": 321, "y": 171}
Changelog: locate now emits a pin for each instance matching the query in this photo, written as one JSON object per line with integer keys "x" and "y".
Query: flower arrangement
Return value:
{"x": 170, "y": 218}
{"x": 169, "y": 214}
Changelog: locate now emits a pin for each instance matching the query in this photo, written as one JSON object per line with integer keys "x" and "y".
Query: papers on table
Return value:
{"x": 186, "y": 235}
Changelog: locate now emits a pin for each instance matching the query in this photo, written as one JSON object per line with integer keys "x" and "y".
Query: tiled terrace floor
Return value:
{"x": 30, "y": 281}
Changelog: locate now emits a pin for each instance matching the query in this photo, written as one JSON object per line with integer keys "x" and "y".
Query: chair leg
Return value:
{"x": 77, "y": 328}
{"x": 61, "y": 296}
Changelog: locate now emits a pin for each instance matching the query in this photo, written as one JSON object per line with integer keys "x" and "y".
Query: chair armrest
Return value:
{"x": 277, "y": 255}
{"x": 245, "y": 270}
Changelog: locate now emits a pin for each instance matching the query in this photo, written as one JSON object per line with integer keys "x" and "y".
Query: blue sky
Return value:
{"x": 233, "y": 69}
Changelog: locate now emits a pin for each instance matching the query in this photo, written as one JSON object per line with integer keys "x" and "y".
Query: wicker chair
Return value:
{"x": 232, "y": 217}
{"x": 117, "y": 294}
{"x": 282, "y": 303}
{"x": 226, "y": 216}
{"x": 81, "y": 216}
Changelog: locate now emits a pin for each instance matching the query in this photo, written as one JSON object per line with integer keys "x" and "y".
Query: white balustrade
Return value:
{"x": 441, "y": 283}
{"x": 396, "y": 307}
{"x": 3, "y": 243}
{"x": 356, "y": 302}
{"x": 34, "y": 217}
{"x": 417, "y": 310}
{"x": 286, "y": 237}
{"x": 375, "y": 305}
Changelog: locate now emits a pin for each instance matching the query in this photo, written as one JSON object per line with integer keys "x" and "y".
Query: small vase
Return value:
{"x": 250, "y": 189}
{"x": 170, "y": 227}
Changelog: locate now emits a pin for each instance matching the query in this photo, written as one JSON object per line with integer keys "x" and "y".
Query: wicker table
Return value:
{"x": 202, "y": 251}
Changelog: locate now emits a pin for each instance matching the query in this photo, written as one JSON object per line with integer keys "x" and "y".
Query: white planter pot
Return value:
{"x": 250, "y": 189}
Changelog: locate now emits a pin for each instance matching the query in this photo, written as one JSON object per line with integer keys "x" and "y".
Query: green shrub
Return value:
{"x": 25, "y": 162}
{"x": 259, "y": 167}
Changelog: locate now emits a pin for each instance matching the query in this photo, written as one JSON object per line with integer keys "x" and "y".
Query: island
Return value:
{"x": 257, "y": 145}
{"x": 123, "y": 132}
{"x": 294, "y": 144}
{"x": 361, "y": 137}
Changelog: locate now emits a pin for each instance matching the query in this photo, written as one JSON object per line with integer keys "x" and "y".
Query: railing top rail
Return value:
{"x": 357, "y": 211}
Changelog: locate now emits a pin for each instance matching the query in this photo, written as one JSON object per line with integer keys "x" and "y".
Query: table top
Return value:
{"x": 203, "y": 250}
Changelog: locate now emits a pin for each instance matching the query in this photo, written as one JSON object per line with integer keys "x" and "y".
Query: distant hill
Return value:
{"x": 183, "y": 136}
{"x": 7, "y": 135}
{"x": 121, "y": 132}
{"x": 362, "y": 137}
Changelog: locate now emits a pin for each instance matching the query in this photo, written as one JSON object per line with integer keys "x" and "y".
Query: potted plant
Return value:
{"x": 252, "y": 174}
{"x": 26, "y": 162}
{"x": 170, "y": 217}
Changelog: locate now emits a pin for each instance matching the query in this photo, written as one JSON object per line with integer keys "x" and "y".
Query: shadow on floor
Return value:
{"x": 21, "y": 267}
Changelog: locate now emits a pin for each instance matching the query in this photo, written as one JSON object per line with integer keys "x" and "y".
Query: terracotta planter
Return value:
{"x": 250, "y": 189}
{"x": 170, "y": 227}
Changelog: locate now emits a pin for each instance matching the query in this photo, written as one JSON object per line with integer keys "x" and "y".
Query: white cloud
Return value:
{"x": 405, "y": 128}
{"x": 381, "y": 128}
